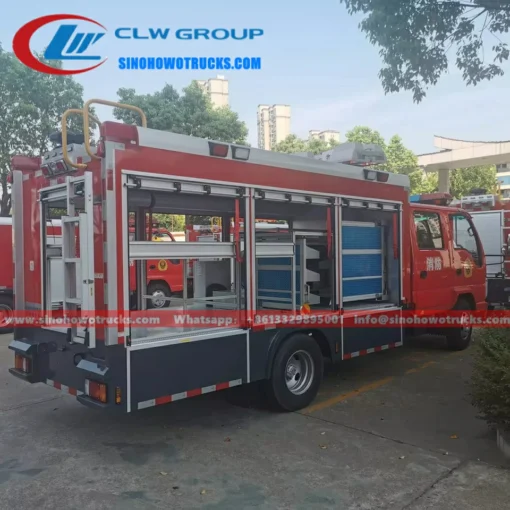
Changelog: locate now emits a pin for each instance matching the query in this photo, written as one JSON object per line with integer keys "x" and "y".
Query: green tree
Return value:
{"x": 190, "y": 113}
{"x": 293, "y": 144}
{"x": 31, "y": 108}
{"x": 463, "y": 180}
{"x": 400, "y": 159}
{"x": 173, "y": 222}
{"x": 364, "y": 134}
{"x": 415, "y": 37}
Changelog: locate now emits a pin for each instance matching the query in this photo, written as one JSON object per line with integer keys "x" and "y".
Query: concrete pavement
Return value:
{"x": 393, "y": 430}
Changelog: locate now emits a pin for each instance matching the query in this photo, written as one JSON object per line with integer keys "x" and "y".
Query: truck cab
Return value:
{"x": 448, "y": 261}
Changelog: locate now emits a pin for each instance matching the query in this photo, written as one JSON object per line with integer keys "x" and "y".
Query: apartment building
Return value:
{"x": 503, "y": 177}
{"x": 273, "y": 125}
{"x": 217, "y": 90}
{"x": 326, "y": 136}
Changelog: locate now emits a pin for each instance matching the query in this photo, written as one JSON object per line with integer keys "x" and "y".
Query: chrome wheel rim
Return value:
{"x": 158, "y": 299}
{"x": 299, "y": 372}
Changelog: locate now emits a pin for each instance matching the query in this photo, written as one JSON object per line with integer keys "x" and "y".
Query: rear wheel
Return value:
{"x": 296, "y": 374}
{"x": 6, "y": 313}
{"x": 160, "y": 294}
{"x": 459, "y": 338}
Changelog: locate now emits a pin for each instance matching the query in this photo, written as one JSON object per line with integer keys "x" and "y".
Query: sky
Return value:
{"x": 314, "y": 58}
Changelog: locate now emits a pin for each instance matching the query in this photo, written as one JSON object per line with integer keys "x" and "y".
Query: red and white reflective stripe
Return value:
{"x": 379, "y": 348}
{"x": 64, "y": 388}
{"x": 187, "y": 394}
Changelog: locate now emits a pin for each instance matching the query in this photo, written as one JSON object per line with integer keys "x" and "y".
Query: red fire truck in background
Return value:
{"x": 165, "y": 277}
{"x": 491, "y": 217}
{"x": 356, "y": 249}
{"x": 7, "y": 268}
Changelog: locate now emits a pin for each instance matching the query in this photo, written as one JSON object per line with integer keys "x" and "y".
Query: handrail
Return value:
{"x": 64, "y": 136}
{"x": 106, "y": 103}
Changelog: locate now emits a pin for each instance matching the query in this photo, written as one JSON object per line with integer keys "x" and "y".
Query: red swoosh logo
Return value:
{"x": 21, "y": 44}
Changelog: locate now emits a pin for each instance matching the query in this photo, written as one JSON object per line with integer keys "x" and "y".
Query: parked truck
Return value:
{"x": 355, "y": 247}
{"x": 491, "y": 217}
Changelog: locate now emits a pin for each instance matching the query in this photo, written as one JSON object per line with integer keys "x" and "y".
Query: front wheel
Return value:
{"x": 296, "y": 374}
{"x": 159, "y": 293}
{"x": 459, "y": 338}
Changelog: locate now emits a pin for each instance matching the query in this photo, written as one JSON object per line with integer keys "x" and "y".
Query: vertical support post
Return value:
{"x": 141, "y": 265}
{"x": 401, "y": 280}
{"x": 338, "y": 254}
{"x": 444, "y": 180}
{"x": 249, "y": 254}
{"x": 17, "y": 235}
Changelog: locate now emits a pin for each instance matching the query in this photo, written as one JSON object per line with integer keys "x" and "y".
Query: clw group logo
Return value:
{"x": 68, "y": 44}
{"x": 78, "y": 43}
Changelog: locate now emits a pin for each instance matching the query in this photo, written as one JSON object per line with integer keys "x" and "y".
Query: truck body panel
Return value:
{"x": 350, "y": 250}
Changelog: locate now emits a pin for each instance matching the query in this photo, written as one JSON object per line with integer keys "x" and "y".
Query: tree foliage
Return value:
{"x": 172, "y": 222}
{"x": 490, "y": 383}
{"x": 31, "y": 108}
{"x": 364, "y": 134}
{"x": 464, "y": 180}
{"x": 415, "y": 36}
{"x": 293, "y": 144}
{"x": 190, "y": 113}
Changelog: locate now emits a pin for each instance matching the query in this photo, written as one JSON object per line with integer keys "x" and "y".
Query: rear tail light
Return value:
{"x": 46, "y": 170}
{"x": 96, "y": 391}
{"x": 383, "y": 176}
{"x": 22, "y": 363}
{"x": 61, "y": 167}
{"x": 218, "y": 149}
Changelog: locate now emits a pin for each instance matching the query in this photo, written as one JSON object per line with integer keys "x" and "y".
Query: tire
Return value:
{"x": 296, "y": 374}
{"x": 158, "y": 290}
{"x": 6, "y": 312}
{"x": 458, "y": 339}
{"x": 214, "y": 287}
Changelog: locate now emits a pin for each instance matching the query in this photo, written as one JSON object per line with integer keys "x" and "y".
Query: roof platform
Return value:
{"x": 455, "y": 154}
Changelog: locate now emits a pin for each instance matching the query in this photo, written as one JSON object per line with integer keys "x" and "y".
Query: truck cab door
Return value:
{"x": 431, "y": 266}
{"x": 468, "y": 257}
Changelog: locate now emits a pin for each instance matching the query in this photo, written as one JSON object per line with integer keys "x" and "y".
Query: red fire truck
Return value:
{"x": 355, "y": 247}
{"x": 7, "y": 269}
{"x": 491, "y": 217}
{"x": 164, "y": 277}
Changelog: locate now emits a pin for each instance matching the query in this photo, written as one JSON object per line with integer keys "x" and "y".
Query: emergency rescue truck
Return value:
{"x": 355, "y": 247}
{"x": 491, "y": 217}
{"x": 7, "y": 269}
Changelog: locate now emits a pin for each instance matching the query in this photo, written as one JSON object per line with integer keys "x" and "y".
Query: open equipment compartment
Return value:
{"x": 371, "y": 254}
{"x": 216, "y": 282}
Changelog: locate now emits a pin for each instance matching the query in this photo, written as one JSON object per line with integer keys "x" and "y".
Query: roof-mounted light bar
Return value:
{"x": 355, "y": 153}
{"x": 443, "y": 199}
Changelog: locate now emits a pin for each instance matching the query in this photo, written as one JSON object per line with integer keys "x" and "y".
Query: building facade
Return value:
{"x": 216, "y": 89}
{"x": 325, "y": 136}
{"x": 273, "y": 125}
{"x": 503, "y": 177}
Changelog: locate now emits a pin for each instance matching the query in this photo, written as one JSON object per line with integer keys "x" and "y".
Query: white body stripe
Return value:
{"x": 186, "y": 394}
